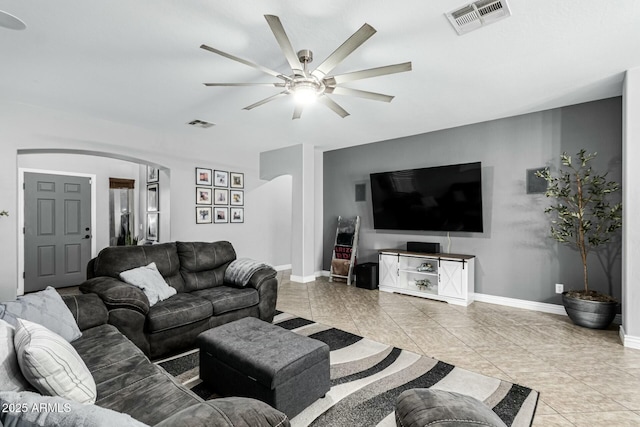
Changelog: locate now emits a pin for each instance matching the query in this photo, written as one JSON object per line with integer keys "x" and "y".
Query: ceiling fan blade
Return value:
{"x": 345, "y": 49}
{"x": 297, "y": 112}
{"x": 264, "y": 101}
{"x": 365, "y": 74}
{"x": 359, "y": 93}
{"x": 333, "y": 105}
{"x": 246, "y": 84}
{"x": 285, "y": 43}
{"x": 245, "y": 62}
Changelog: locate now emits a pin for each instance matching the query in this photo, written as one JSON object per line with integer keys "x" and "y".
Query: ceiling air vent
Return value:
{"x": 200, "y": 124}
{"x": 478, "y": 14}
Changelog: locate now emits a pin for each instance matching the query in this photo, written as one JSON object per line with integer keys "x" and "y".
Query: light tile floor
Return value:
{"x": 585, "y": 377}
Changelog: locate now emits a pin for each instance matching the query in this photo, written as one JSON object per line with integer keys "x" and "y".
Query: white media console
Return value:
{"x": 443, "y": 277}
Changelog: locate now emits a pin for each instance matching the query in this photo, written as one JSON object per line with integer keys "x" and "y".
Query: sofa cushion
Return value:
{"x": 51, "y": 364}
{"x": 225, "y": 299}
{"x": 45, "y": 308}
{"x": 11, "y": 378}
{"x": 203, "y": 264}
{"x": 113, "y": 260}
{"x": 125, "y": 379}
{"x": 149, "y": 279}
{"x": 59, "y": 412}
{"x": 113, "y": 360}
{"x": 228, "y": 412}
{"x": 181, "y": 309}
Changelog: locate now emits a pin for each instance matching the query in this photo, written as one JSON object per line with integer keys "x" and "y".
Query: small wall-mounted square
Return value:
{"x": 361, "y": 190}
{"x": 535, "y": 184}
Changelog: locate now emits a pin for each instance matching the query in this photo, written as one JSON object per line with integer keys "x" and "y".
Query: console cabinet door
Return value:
{"x": 388, "y": 270}
{"x": 451, "y": 279}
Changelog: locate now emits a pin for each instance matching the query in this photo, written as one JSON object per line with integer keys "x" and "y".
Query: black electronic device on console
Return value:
{"x": 423, "y": 247}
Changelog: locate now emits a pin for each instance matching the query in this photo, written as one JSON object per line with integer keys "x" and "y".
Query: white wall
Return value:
{"x": 630, "y": 330}
{"x": 297, "y": 161}
{"x": 28, "y": 127}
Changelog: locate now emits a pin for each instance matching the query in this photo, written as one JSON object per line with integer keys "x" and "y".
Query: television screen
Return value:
{"x": 443, "y": 198}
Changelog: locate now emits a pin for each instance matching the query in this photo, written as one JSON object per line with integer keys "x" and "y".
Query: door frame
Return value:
{"x": 21, "y": 172}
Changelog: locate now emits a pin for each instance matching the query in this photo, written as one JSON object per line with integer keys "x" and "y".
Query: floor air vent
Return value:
{"x": 200, "y": 124}
{"x": 478, "y": 14}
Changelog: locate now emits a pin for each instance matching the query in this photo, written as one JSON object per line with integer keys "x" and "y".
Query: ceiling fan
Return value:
{"x": 307, "y": 86}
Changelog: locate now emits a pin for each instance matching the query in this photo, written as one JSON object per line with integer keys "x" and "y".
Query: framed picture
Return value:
{"x": 535, "y": 184}
{"x": 152, "y": 226}
{"x": 237, "y": 197}
{"x": 203, "y": 176}
{"x": 220, "y": 215}
{"x": 203, "y": 215}
{"x": 237, "y": 214}
{"x": 203, "y": 196}
{"x": 221, "y": 196}
{"x": 153, "y": 174}
{"x": 221, "y": 178}
{"x": 237, "y": 180}
{"x": 153, "y": 198}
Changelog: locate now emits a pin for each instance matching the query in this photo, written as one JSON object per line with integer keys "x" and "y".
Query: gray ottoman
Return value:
{"x": 252, "y": 358}
{"x": 421, "y": 407}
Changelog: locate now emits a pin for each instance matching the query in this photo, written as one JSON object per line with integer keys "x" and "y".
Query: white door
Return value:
{"x": 57, "y": 232}
{"x": 450, "y": 279}
{"x": 388, "y": 270}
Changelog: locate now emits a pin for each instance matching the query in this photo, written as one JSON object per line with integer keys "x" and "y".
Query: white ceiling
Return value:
{"x": 139, "y": 62}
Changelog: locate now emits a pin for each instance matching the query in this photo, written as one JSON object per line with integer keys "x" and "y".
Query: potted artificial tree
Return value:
{"x": 584, "y": 218}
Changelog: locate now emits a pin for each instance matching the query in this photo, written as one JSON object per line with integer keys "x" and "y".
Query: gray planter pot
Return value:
{"x": 590, "y": 314}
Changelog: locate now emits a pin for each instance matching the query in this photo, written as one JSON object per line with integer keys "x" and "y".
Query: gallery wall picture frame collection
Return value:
{"x": 153, "y": 204}
{"x": 219, "y": 194}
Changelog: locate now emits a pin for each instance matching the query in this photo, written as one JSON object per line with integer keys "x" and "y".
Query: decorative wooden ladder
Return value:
{"x": 345, "y": 248}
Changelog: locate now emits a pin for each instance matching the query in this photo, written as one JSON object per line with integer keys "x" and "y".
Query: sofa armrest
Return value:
{"x": 227, "y": 412}
{"x": 266, "y": 283}
{"x": 260, "y": 277}
{"x": 88, "y": 310}
{"x": 117, "y": 294}
{"x": 128, "y": 307}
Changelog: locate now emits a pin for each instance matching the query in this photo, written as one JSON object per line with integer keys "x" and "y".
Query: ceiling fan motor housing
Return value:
{"x": 305, "y": 56}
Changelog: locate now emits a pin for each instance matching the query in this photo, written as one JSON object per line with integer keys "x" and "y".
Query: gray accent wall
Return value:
{"x": 515, "y": 258}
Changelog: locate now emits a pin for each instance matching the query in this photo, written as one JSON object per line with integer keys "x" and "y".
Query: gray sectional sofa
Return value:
{"x": 204, "y": 298}
{"x": 127, "y": 382}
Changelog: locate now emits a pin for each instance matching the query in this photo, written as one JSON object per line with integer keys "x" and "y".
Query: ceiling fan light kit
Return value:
{"x": 310, "y": 86}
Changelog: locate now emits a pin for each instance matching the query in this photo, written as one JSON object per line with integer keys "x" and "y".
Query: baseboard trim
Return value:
{"x": 323, "y": 273}
{"x": 282, "y": 267}
{"x": 544, "y": 307}
{"x": 521, "y": 303}
{"x": 629, "y": 340}
{"x": 302, "y": 279}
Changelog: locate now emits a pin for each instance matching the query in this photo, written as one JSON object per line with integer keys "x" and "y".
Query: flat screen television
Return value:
{"x": 442, "y": 198}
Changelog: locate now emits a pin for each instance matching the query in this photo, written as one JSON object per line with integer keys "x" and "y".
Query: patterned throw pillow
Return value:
{"x": 45, "y": 308}
{"x": 149, "y": 279}
{"x": 11, "y": 379}
{"x": 51, "y": 364}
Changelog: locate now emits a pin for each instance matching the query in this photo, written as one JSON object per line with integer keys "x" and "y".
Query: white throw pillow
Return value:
{"x": 51, "y": 364}
{"x": 149, "y": 279}
{"x": 45, "y": 308}
{"x": 11, "y": 378}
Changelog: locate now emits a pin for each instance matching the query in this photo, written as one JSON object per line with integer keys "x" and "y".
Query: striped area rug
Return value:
{"x": 367, "y": 377}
